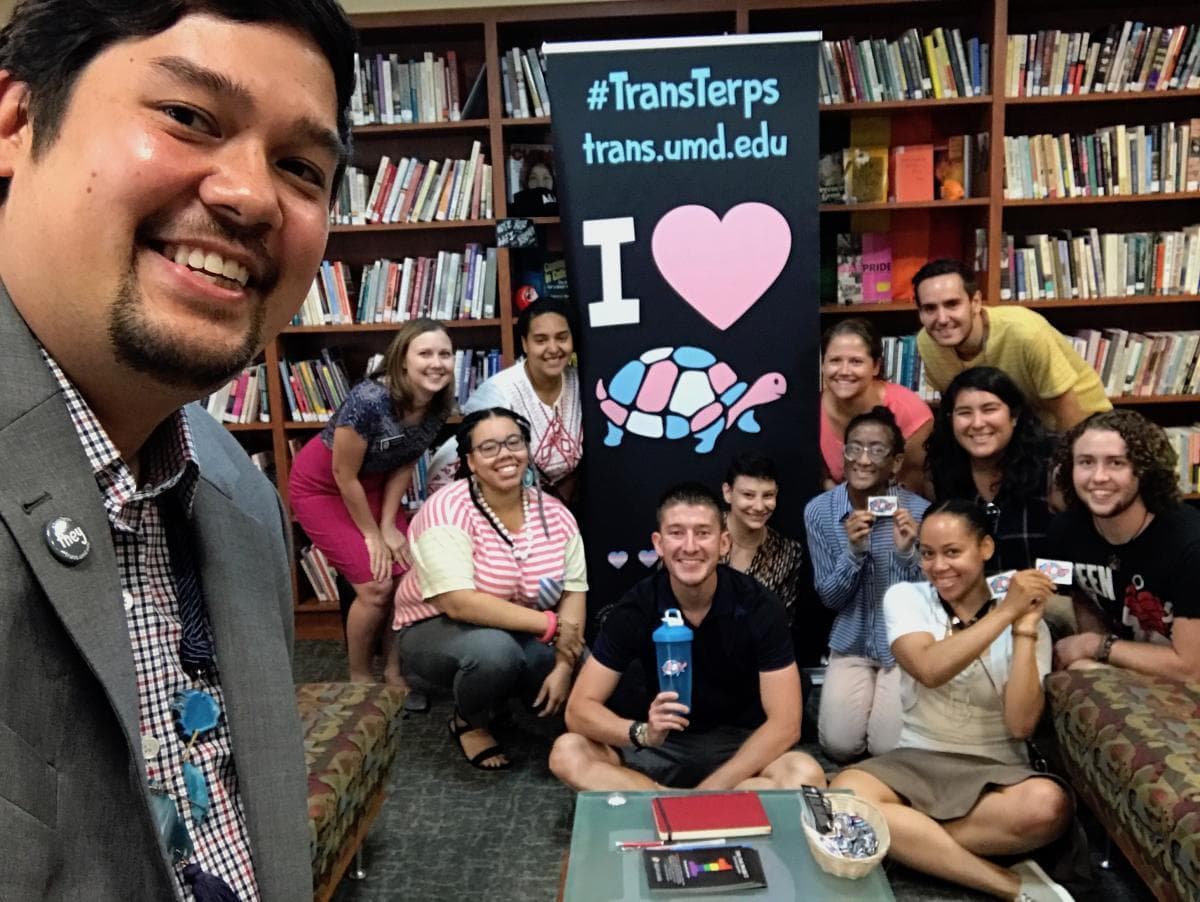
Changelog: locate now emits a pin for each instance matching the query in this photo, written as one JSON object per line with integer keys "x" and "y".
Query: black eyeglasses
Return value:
{"x": 875, "y": 451}
{"x": 491, "y": 447}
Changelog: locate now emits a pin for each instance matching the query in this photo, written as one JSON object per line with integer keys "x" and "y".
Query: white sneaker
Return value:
{"x": 1036, "y": 885}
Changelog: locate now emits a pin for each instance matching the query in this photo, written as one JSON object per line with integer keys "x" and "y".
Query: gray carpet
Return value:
{"x": 451, "y": 833}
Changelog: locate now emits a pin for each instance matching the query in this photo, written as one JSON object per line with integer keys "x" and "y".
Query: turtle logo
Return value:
{"x": 673, "y": 668}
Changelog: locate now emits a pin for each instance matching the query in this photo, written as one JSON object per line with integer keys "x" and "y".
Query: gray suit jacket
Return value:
{"x": 74, "y": 813}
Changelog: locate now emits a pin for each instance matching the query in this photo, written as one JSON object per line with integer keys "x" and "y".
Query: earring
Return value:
{"x": 529, "y": 478}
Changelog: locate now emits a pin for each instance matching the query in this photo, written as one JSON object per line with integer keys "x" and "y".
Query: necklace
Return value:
{"x": 1114, "y": 559}
{"x": 519, "y": 553}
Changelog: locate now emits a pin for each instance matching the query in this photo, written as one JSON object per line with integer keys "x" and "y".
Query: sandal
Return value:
{"x": 416, "y": 702}
{"x": 476, "y": 761}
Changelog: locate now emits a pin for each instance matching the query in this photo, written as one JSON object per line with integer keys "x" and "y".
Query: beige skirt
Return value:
{"x": 946, "y": 785}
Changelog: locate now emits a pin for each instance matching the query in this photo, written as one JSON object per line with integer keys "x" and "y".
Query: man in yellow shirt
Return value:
{"x": 961, "y": 332}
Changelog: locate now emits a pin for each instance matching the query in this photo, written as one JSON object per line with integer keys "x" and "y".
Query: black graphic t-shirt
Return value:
{"x": 1141, "y": 586}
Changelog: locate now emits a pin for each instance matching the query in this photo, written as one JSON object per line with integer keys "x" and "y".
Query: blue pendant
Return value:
{"x": 172, "y": 831}
{"x": 196, "y": 711}
{"x": 197, "y": 792}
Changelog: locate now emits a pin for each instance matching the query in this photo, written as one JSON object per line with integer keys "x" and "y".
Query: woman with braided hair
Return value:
{"x": 494, "y": 604}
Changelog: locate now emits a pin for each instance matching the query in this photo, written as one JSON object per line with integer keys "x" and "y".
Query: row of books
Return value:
{"x": 1143, "y": 364}
{"x": 314, "y": 389}
{"x": 1163, "y": 158}
{"x": 409, "y": 190}
{"x": 1186, "y": 442}
{"x": 450, "y": 286}
{"x": 864, "y": 268}
{"x": 1129, "y": 57}
{"x": 913, "y": 67}
{"x": 471, "y": 367}
{"x": 909, "y": 172}
{"x": 389, "y": 90}
{"x": 243, "y": 399}
{"x": 523, "y": 83}
{"x": 1088, "y": 264}
{"x": 320, "y": 574}
{"x": 904, "y": 366}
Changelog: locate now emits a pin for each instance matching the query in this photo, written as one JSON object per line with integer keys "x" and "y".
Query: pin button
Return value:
{"x": 127, "y": 598}
{"x": 66, "y": 540}
{"x": 150, "y": 747}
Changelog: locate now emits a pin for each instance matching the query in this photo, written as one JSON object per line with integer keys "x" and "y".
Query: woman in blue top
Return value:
{"x": 856, "y": 556}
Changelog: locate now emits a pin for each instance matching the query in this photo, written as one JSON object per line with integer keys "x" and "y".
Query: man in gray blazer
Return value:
{"x": 166, "y": 171}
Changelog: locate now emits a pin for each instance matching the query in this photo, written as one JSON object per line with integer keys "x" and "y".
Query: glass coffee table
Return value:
{"x": 598, "y": 872}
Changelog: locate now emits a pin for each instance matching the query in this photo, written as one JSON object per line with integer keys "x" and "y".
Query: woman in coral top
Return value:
{"x": 851, "y": 355}
{"x": 493, "y": 607}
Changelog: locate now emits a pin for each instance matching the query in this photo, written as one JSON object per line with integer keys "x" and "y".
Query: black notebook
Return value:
{"x": 719, "y": 869}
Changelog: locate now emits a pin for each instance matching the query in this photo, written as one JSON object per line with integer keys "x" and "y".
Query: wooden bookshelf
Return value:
{"x": 481, "y": 36}
{"x": 1138, "y": 400}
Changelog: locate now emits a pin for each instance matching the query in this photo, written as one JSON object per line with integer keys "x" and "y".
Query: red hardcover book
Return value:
{"x": 709, "y": 815}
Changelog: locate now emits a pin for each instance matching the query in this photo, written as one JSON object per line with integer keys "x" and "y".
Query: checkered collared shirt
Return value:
{"x": 140, "y": 541}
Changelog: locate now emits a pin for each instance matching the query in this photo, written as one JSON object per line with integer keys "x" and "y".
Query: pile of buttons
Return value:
{"x": 851, "y": 837}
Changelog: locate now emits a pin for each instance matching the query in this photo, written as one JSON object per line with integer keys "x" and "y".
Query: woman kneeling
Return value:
{"x": 959, "y": 785}
{"x": 494, "y": 603}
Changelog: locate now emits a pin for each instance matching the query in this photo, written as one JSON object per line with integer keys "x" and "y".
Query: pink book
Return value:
{"x": 876, "y": 268}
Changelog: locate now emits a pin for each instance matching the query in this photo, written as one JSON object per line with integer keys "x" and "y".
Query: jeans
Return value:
{"x": 483, "y": 666}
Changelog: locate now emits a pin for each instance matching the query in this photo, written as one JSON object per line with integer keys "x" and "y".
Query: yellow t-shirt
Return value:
{"x": 1031, "y": 352}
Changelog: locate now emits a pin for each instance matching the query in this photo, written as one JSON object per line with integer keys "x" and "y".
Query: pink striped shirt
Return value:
{"x": 454, "y": 547}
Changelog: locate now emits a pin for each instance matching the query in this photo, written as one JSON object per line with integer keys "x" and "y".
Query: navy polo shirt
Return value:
{"x": 744, "y": 633}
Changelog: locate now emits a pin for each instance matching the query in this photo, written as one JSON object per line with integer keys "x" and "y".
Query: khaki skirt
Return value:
{"x": 946, "y": 785}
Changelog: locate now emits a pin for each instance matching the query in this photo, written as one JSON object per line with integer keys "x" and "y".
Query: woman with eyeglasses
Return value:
{"x": 989, "y": 447}
{"x": 851, "y": 357}
{"x": 346, "y": 484}
{"x": 856, "y": 555}
{"x": 958, "y": 788}
{"x": 493, "y": 607}
{"x": 543, "y": 387}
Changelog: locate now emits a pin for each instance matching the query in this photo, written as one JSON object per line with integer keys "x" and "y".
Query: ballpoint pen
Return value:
{"x": 660, "y": 845}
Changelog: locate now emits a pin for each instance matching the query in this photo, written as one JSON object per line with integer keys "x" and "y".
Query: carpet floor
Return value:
{"x": 451, "y": 833}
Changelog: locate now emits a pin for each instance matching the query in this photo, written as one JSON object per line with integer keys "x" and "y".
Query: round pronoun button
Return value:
{"x": 67, "y": 541}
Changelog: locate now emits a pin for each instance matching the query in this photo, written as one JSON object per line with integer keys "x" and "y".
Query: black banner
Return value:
{"x": 688, "y": 189}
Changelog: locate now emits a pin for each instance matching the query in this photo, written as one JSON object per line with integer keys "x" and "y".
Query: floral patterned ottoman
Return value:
{"x": 1130, "y": 743}
{"x": 351, "y": 734}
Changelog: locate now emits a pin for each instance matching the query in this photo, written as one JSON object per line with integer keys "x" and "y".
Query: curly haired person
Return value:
{"x": 1132, "y": 541}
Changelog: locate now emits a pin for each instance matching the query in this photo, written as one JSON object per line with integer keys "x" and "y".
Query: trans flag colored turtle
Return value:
{"x": 674, "y": 393}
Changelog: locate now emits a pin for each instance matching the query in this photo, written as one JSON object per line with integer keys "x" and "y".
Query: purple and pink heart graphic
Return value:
{"x": 721, "y": 266}
{"x": 648, "y": 557}
{"x": 618, "y": 559}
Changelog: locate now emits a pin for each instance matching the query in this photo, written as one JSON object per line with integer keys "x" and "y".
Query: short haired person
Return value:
{"x": 959, "y": 331}
{"x": 167, "y": 171}
{"x": 745, "y": 713}
{"x": 1134, "y": 546}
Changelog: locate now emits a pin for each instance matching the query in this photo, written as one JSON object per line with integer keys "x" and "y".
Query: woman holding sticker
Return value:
{"x": 856, "y": 555}
{"x": 959, "y": 785}
{"x": 989, "y": 447}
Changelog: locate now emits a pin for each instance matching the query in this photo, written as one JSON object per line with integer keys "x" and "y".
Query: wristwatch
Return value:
{"x": 1105, "y": 648}
{"x": 637, "y": 733}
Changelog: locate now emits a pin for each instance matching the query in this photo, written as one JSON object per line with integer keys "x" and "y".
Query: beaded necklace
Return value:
{"x": 520, "y": 553}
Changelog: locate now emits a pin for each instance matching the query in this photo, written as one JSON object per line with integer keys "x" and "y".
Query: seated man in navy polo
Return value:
{"x": 746, "y": 706}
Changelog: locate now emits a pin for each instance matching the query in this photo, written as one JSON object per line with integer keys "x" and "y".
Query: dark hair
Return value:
{"x": 463, "y": 435}
{"x": 694, "y": 493}
{"x": 541, "y": 307}
{"x": 859, "y": 328}
{"x": 1024, "y": 464}
{"x": 393, "y": 365}
{"x": 944, "y": 267}
{"x": 885, "y": 418}
{"x": 1150, "y": 453}
{"x": 974, "y": 515}
{"x": 752, "y": 465}
{"x": 48, "y": 43}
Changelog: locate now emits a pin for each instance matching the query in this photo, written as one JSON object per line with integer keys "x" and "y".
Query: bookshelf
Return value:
{"x": 481, "y": 37}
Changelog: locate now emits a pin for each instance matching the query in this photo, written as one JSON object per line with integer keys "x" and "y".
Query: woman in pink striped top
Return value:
{"x": 494, "y": 604}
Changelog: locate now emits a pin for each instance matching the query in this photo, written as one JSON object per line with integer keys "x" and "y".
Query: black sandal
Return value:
{"x": 492, "y": 751}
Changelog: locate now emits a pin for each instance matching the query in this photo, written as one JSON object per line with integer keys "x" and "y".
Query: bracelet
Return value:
{"x": 547, "y": 638}
{"x": 1105, "y": 648}
{"x": 1028, "y": 634}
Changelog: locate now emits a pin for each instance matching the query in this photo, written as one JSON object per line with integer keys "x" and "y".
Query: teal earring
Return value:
{"x": 529, "y": 478}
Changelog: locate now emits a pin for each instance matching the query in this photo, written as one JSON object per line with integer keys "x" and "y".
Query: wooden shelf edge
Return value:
{"x": 876, "y": 106}
{"x": 1137, "y": 400}
{"x": 1163, "y": 197}
{"x": 1191, "y": 496}
{"x": 381, "y": 129}
{"x": 517, "y": 122}
{"x": 247, "y": 427}
{"x": 310, "y": 605}
{"x": 1101, "y": 98}
{"x": 888, "y": 206}
{"x": 385, "y": 327}
{"x": 412, "y": 226}
{"x": 1142, "y": 300}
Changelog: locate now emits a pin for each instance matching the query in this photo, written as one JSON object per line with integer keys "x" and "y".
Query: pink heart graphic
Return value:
{"x": 721, "y": 267}
{"x": 648, "y": 557}
{"x": 618, "y": 558}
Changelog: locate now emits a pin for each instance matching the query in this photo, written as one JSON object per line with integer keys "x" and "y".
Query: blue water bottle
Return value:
{"x": 673, "y": 642}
